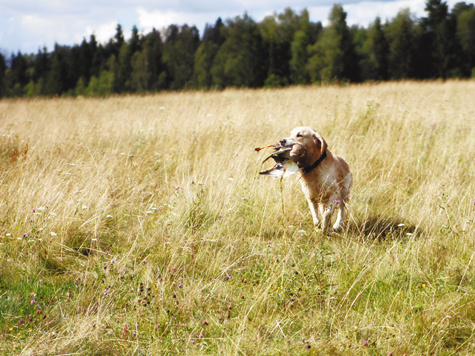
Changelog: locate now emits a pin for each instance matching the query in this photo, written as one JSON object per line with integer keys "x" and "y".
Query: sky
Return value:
{"x": 30, "y": 25}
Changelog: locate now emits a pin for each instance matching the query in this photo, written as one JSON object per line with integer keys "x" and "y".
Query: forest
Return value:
{"x": 283, "y": 49}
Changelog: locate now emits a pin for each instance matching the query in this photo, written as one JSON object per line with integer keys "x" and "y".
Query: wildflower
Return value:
{"x": 109, "y": 216}
{"x": 106, "y": 291}
{"x": 25, "y": 235}
{"x": 220, "y": 216}
{"x": 365, "y": 343}
{"x": 228, "y": 277}
{"x": 201, "y": 336}
{"x": 33, "y": 301}
{"x": 121, "y": 271}
{"x": 53, "y": 233}
{"x": 337, "y": 201}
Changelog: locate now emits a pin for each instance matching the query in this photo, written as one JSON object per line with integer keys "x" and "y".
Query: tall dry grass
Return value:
{"x": 140, "y": 225}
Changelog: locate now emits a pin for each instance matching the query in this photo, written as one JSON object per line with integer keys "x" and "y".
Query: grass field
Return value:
{"x": 139, "y": 225}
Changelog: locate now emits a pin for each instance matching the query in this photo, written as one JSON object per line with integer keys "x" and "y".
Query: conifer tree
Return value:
{"x": 441, "y": 37}
{"x": 333, "y": 56}
{"x": 465, "y": 20}
{"x": 375, "y": 50}
{"x": 241, "y": 61}
{"x": 3, "y": 68}
{"x": 401, "y": 34}
{"x": 205, "y": 54}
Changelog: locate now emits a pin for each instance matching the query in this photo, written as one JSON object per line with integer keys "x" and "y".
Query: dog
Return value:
{"x": 326, "y": 178}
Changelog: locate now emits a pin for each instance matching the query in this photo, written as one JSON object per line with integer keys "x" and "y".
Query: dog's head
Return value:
{"x": 307, "y": 145}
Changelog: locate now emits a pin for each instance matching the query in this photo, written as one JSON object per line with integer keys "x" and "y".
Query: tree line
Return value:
{"x": 282, "y": 49}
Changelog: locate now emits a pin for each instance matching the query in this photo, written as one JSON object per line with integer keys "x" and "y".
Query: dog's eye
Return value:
{"x": 299, "y": 135}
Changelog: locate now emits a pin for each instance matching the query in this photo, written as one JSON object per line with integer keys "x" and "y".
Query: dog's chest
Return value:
{"x": 321, "y": 187}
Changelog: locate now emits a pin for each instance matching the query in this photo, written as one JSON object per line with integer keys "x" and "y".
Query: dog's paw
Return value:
{"x": 337, "y": 228}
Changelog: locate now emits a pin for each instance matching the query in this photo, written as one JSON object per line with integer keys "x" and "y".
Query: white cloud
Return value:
{"x": 31, "y": 24}
{"x": 103, "y": 32}
{"x": 147, "y": 20}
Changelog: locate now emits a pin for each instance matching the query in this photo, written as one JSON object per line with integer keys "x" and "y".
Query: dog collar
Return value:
{"x": 307, "y": 170}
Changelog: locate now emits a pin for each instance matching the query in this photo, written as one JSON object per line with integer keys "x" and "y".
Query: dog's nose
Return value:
{"x": 283, "y": 142}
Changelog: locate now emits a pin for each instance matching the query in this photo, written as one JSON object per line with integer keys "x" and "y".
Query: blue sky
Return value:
{"x": 28, "y": 25}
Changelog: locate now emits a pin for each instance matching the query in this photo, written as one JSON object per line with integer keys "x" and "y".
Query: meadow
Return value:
{"x": 139, "y": 225}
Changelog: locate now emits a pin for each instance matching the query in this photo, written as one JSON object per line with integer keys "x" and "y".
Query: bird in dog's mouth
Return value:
{"x": 284, "y": 165}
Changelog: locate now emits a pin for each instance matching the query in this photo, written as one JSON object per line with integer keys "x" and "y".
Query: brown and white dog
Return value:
{"x": 326, "y": 178}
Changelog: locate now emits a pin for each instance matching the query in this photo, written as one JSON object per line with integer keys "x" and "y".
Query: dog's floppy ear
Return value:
{"x": 323, "y": 144}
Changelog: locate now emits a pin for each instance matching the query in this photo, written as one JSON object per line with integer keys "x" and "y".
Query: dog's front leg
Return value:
{"x": 314, "y": 210}
{"x": 327, "y": 211}
{"x": 341, "y": 215}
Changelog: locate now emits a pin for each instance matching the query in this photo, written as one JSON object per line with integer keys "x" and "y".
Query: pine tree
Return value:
{"x": 441, "y": 37}
{"x": 41, "y": 68}
{"x": 3, "y": 68}
{"x": 241, "y": 61}
{"x": 205, "y": 54}
{"x": 334, "y": 56}
{"x": 465, "y": 20}
{"x": 179, "y": 53}
{"x": 375, "y": 50}
{"x": 401, "y": 34}
{"x": 156, "y": 67}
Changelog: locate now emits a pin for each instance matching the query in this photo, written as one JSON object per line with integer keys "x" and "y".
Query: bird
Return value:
{"x": 284, "y": 166}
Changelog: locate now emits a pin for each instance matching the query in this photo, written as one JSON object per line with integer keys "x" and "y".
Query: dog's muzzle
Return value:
{"x": 286, "y": 143}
